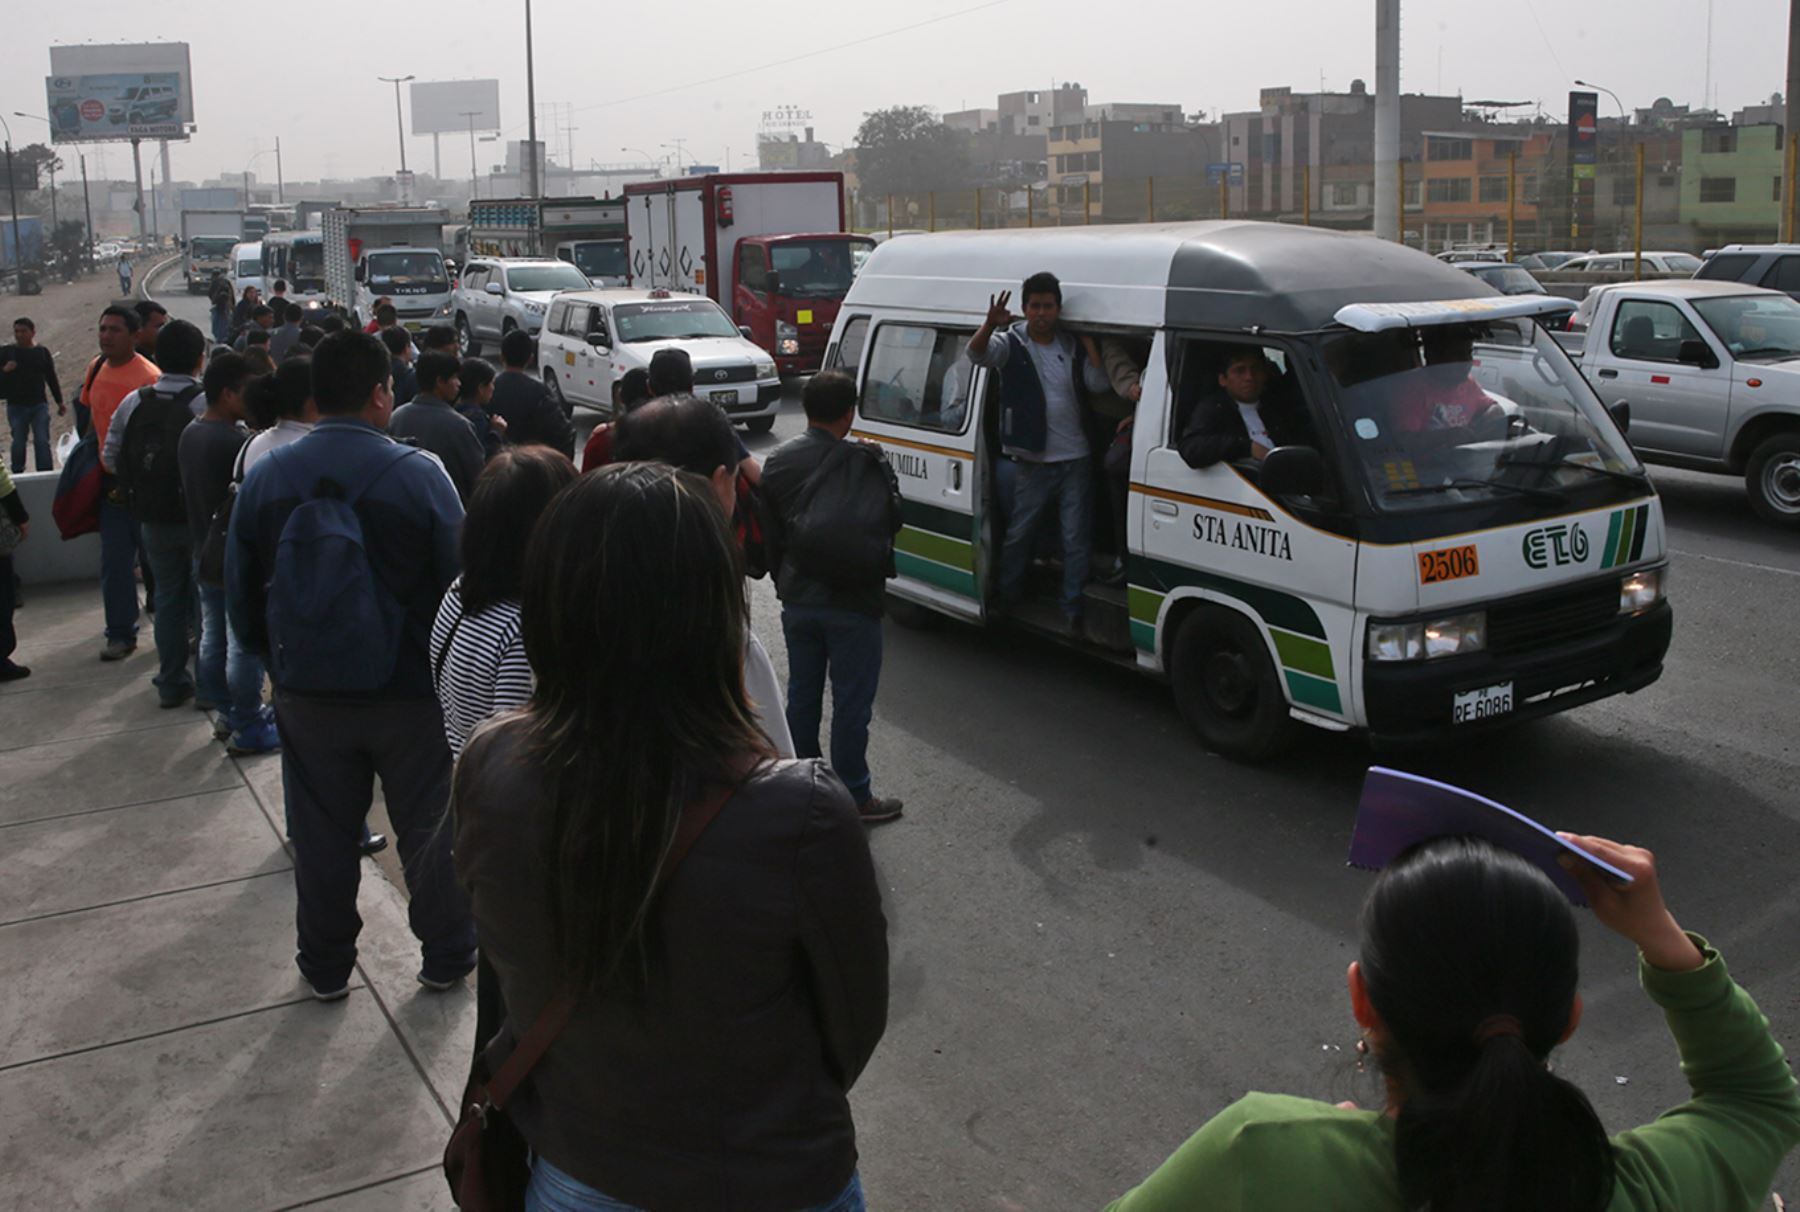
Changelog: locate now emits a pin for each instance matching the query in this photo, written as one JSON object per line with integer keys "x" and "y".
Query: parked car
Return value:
{"x": 495, "y": 295}
{"x": 1772, "y": 266}
{"x": 1543, "y": 261}
{"x": 1625, "y": 262}
{"x": 1486, "y": 254}
{"x": 592, "y": 337}
{"x": 1710, "y": 372}
{"x": 1505, "y": 277}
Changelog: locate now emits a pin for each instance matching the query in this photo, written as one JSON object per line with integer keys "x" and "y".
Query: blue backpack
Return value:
{"x": 334, "y": 628}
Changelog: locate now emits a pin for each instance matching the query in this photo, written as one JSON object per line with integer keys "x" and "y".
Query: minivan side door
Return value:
{"x": 920, "y": 399}
{"x": 1676, "y": 407}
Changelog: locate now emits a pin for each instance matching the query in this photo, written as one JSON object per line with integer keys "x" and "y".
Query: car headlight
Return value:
{"x": 1642, "y": 589}
{"x": 533, "y": 309}
{"x": 765, "y": 370}
{"x": 445, "y": 309}
{"x": 1453, "y": 635}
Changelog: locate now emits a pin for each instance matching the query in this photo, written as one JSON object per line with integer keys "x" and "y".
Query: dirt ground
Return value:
{"x": 66, "y": 315}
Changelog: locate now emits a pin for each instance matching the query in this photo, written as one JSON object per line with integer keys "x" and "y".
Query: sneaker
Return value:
{"x": 331, "y": 995}
{"x": 118, "y": 650}
{"x": 260, "y": 737}
{"x": 221, "y": 726}
{"x": 373, "y": 844}
{"x": 178, "y": 699}
{"x": 875, "y": 811}
{"x": 438, "y": 985}
{"x": 10, "y": 672}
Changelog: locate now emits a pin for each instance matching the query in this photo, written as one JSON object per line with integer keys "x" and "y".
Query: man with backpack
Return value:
{"x": 142, "y": 444}
{"x": 340, "y": 547}
{"x": 833, "y": 508}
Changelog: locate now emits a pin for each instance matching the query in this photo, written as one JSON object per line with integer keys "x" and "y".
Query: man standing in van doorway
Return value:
{"x": 1044, "y": 376}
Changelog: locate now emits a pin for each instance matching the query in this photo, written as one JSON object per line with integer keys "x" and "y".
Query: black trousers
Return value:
{"x": 9, "y": 639}
{"x": 332, "y": 750}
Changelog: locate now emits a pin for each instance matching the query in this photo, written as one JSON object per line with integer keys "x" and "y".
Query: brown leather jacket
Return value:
{"x": 724, "y": 1086}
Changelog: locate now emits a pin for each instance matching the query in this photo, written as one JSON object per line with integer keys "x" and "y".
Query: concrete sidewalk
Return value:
{"x": 158, "y": 1048}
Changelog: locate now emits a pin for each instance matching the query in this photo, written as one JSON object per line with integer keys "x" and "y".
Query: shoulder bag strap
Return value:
{"x": 437, "y": 665}
{"x": 555, "y": 1015}
{"x": 817, "y": 479}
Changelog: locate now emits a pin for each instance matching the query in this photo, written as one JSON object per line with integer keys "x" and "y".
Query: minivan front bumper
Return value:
{"x": 1412, "y": 701}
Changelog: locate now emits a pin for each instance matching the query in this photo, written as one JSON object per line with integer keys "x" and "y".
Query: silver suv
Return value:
{"x": 496, "y": 295}
{"x": 1775, "y": 266}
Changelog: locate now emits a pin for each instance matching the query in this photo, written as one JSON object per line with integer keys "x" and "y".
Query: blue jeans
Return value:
{"x": 845, "y": 644}
{"x": 1036, "y": 486}
{"x": 552, "y": 1190}
{"x": 170, "y": 550}
{"x": 230, "y": 676}
{"x": 221, "y": 324}
{"x": 118, "y": 571}
{"x": 33, "y": 421}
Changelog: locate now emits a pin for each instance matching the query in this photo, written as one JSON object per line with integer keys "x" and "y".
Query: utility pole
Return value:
{"x": 399, "y": 127}
{"x": 87, "y": 211}
{"x": 471, "y": 115}
{"x": 531, "y": 107}
{"x": 280, "y": 189}
{"x": 137, "y": 170}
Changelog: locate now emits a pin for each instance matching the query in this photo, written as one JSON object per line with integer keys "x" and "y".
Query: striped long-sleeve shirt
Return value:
{"x": 478, "y": 664}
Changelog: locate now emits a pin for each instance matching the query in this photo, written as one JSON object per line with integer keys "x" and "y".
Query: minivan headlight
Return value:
{"x": 1640, "y": 590}
{"x": 1452, "y": 635}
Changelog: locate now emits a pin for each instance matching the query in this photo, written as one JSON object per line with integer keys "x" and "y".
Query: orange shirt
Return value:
{"x": 111, "y": 386}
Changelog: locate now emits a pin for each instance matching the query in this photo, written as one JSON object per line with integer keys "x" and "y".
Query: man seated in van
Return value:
{"x": 1246, "y": 418}
{"x": 1441, "y": 401}
{"x": 1044, "y": 376}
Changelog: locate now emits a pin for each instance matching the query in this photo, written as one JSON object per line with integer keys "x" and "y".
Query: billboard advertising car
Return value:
{"x": 117, "y": 106}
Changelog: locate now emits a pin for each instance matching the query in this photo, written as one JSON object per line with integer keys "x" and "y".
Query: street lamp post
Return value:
{"x": 531, "y": 105}
{"x": 471, "y": 115}
{"x": 1618, "y": 150}
{"x": 399, "y": 125}
{"x": 12, "y": 186}
{"x": 677, "y": 148}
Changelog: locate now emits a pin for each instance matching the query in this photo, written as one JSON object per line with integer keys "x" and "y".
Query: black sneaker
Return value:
{"x": 877, "y": 811}
{"x": 372, "y": 845}
{"x": 10, "y": 672}
{"x": 331, "y": 995}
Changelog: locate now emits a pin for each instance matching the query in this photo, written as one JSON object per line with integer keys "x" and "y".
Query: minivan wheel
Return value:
{"x": 1227, "y": 687}
{"x": 466, "y": 337}
{"x": 556, "y": 392}
{"x": 760, "y": 424}
{"x": 1773, "y": 479}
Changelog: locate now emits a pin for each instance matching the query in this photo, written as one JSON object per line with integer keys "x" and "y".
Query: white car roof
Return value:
{"x": 511, "y": 262}
{"x": 1688, "y": 288}
{"x": 624, "y": 294}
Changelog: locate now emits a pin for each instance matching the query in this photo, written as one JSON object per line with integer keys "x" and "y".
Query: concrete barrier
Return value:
{"x": 45, "y": 557}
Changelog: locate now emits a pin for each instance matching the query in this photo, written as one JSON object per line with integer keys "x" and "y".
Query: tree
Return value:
{"x": 907, "y": 150}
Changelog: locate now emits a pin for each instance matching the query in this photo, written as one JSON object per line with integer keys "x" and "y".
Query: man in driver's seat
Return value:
{"x": 1444, "y": 394}
{"x": 1244, "y": 419}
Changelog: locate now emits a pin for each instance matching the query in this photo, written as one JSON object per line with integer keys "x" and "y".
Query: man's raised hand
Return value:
{"x": 998, "y": 316}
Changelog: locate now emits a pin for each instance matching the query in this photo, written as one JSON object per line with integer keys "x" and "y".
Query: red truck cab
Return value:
{"x": 788, "y": 289}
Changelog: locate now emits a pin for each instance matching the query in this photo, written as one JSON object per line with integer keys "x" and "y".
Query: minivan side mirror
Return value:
{"x": 494, "y": 288}
{"x": 744, "y": 331}
{"x": 1292, "y": 471}
{"x": 598, "y": 340}
{"x": 361, "y": 271}
{"x": 1620, "y": 411}
{"x": 1695, "y": 352}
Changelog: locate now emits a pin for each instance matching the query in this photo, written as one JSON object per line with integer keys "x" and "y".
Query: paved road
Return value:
{"x": 1101, "y": 934}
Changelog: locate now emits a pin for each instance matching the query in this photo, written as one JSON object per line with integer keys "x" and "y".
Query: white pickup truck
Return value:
{"x": 1711, "y": 374}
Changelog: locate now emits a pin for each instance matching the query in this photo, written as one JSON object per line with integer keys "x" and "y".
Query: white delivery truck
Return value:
{"x": 390, "y": 251}
{"x": 588, "y": 233}
{"x": 207, "y": 238}
{"x": 769, "y": 248}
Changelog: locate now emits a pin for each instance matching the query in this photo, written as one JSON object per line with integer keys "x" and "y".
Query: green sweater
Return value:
{"x": 1717, "y": 1151}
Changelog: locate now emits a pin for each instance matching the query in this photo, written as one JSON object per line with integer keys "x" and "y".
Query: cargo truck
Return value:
{"x": 589, "y": 233}
{"x": 770, "y": 248}
{"x": 387, "y": 250}
{"x": 208, "y": 235}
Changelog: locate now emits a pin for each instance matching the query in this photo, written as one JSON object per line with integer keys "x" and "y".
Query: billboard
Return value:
{"x": 1584, "y": 147}
{"x": 443, "y": 106}
{"x": 137, "y": 90}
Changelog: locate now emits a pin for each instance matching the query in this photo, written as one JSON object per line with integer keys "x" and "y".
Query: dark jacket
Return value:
{"x": 531, "y": 416}
{"x": 412, "y": 523}
{"x": 33, "y": 377}
{"x": 1215, "y": 431}
{"x": 784, "y": 481}
{"x": 431, "y": 424}
{"x": 724, "y": 1085}
{"x": 406, "y": 381}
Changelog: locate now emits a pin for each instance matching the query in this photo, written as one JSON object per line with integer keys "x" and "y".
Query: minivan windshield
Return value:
{"x": 561, "y": 276}
{"x": 1755, "y": 328}
{"x": 408, "y": 273}
{"x": 601, "y": 258}
{"x": 816, "y": 269}
{"x": 674, "y": 320}
{"x": 1463, "y": 413}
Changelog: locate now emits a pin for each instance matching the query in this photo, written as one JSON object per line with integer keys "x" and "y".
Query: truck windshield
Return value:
{"x": 212, "y": 246}
{"x": 816, "y": 269}
{"x": 675, "y": 320}
{"x": 560, "y": 276}
{"x": 306, "y": 266}
{"x": 249, "y": 268}
{"x": 412, "y": 273}
{"x": 1465, "y": 413}
{"x": 1755, "y": 328}
{"x": 601, "y": 258}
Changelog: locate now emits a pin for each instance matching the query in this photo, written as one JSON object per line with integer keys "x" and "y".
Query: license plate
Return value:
{"x": 1472, "y": 706}
{"x": 724, "y": 397}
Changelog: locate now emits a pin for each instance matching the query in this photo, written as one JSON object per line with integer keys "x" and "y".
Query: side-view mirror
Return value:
{"x": 494, "y": 288}
{"x": 1695, "y": 352}
{"x": 598, "y": 340}
{"x": 1620, "y": 412}
{"x": 1292, "y": 471}
{"x": 744, "y": 331}
{"x": 362, "y": 272}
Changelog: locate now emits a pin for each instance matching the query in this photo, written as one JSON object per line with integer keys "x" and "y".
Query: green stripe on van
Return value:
{"x": 1629, "y": 519}
{"x": 1309, "y": 691}
{"x": 1276, "y": 608}
{"x": 1146, "y": 604}
{"x": 957, "y": 553}
{"x": 1303, "y": 653}
{"x": 933, "y": 573}
{"x": 938, "y": 520}
{"x": 1143, "y": 635}
{"x": 1610, "y": 553}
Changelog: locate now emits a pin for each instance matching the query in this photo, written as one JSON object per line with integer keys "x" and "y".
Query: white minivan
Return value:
{"x": 591, "y": 338}
{"x": 246, "y": 268}
{"x": 1465, "y": 539}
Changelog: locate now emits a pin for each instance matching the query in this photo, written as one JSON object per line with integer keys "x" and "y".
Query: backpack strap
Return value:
{"x": 93, "y": 372}
{"x": 819, "y": 475}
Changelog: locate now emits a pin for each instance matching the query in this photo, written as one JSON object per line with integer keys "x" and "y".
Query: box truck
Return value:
{"x": 208, "y": 235}
{"x": 391, "y": 251}
{"x": 589, "y": 233}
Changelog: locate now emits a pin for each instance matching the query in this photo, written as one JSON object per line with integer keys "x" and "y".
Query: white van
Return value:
{"x": 246, "y": 269}
{"x": 1412, "y": 572}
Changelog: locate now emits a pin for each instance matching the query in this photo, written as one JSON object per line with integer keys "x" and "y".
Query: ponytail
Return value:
{"x": 1469, "y": 957}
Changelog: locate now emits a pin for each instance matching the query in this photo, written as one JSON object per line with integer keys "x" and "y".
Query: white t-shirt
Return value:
{"x": 1252, "y": 414}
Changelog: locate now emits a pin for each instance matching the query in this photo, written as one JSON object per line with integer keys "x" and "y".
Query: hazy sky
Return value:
{"x": 312, "y": 80}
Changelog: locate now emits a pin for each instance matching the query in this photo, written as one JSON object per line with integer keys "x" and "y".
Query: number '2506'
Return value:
{"x": 1448, "y": 564}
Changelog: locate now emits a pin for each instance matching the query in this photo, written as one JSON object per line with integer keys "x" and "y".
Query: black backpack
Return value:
{"x": 149, "y": 470}
{"x": 842, "y": 531}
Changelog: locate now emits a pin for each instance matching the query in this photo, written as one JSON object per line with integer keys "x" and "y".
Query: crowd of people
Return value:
{"x": 608, "y": 812}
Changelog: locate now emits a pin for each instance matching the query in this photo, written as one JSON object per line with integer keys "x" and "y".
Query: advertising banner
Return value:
{"x": 115, "y": 107}
{"x": 1584, "y": 152}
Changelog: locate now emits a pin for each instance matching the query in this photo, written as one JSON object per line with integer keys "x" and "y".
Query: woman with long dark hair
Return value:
{"x": 1465, "y": 984}
{"x": 723, "y": 1009}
